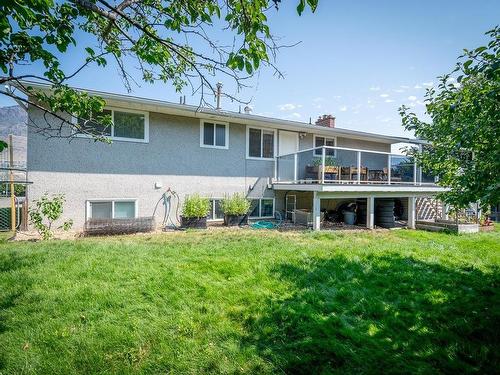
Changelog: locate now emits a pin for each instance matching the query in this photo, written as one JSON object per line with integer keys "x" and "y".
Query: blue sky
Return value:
{"x": 357, "y": 60}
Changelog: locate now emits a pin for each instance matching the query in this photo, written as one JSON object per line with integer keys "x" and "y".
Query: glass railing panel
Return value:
{"x": 402, "y": 169}
{"x": 341, "y": 166}
{"x": 374, "y": 167}
{"x": 308, "y": 166}
{"x": 285, "y": 168}
{"x": 428, "y": 178}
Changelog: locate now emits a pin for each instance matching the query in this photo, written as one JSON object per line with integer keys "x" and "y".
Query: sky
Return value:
{"x": 357, "y": 60}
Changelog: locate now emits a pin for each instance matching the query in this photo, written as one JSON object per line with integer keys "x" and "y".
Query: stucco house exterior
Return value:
{"x": 282, "y": 166}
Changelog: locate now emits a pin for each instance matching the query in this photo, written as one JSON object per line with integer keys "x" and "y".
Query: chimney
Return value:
{"x": 328, "y": 121}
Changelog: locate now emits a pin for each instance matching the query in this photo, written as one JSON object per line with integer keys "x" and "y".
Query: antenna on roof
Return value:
{"x": 218, "y": 94}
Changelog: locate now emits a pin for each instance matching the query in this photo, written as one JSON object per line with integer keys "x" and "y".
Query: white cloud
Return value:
{"x": 289, "y": 107}
{"x": 336, "y": 97}
{"x": 317, "y": 106}
{"x": 375, "y": 88}
{"x": 343, "y": 108}
{"x": 417, "y": 87}
{"x": 399, "y": 90}
{"x": 389, "y": 100}
{"x": 428, "y": 84}
{"x": 412, "y": 98}
{"x": 384, "y": 95}
{"x": 318, "y": 99}
{"x": 404, "y": 87}
{"x": 295, "y": 115}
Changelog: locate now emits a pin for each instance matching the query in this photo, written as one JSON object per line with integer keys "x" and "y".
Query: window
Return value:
{"x": 127, "y": 125}
{"x": 215, "y": 212}
{"x": 263, "y": 207}
{"x": 112, "y": 209}
{"x": 260, "y": 143}
{"x": 214, "y": 135}
{"x": 324, "y": 141}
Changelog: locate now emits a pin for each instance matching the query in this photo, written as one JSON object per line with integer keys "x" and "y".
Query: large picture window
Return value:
{"x": 324, "y": 141}
{"x": 111, "y": 209}
{"x": 260, "y": 143}
{"x": 127, "y": 125}
{"x": 214, "y": 134}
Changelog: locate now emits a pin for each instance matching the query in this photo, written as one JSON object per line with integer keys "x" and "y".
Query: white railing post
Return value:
{"x": 414, "y": 172}
{"x": 295, "y": 167}
{"x": 276, "y": 174}
{"x": 389, "y": 169}
{"x": 323, "y": 157}
{"x": 359, "y": 167}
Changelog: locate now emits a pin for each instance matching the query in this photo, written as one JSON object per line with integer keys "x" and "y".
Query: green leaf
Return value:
{"x": 301, "y": 6}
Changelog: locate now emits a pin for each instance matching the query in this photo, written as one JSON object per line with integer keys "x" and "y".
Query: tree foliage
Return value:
{"x": 464, "y": 131}
{"x": 167, "y": 40}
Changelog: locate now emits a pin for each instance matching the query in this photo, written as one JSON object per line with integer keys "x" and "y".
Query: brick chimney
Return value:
{"x": 328, "y": 121}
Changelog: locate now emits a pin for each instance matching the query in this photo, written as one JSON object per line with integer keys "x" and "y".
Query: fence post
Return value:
{"x": 11, "y": 180}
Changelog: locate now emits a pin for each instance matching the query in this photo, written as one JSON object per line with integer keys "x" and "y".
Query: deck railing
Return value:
{"x": 341, "y": 165}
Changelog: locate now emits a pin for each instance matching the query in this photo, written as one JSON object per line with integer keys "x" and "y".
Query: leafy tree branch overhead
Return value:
{"x": 465, "y": 127}
{"x": 168, "y": 41}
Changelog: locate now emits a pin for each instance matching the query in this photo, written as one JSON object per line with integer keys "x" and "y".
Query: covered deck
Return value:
{"x": 373, "y": 180}
{"x": 329, "y": 165}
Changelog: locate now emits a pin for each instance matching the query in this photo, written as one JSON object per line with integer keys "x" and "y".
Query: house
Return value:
{"x": 296, "y": 168}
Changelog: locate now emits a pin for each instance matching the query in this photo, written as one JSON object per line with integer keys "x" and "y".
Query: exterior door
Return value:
{"x": 288, "y": 142}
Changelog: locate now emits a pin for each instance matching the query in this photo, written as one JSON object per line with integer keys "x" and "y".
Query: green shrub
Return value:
{"x": 235, "y": 205}
{"x": 330, "y": 161}
{"x": 45, "y": 211}
{"x": 195, "y": 206}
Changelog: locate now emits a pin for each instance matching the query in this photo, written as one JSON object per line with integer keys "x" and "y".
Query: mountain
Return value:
{"x": 13, "y": 121}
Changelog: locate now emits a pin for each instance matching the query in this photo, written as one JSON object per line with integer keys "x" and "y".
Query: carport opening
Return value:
{"x": 347, "y": 213}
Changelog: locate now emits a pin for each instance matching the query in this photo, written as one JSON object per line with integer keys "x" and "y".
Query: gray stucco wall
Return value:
{"x": 85, "y": 170}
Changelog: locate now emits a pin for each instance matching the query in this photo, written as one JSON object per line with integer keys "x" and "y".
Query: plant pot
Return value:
{"x": 486, "y": 228}
{"x": 194, "y": 222}
{"x": 233, "y": 220}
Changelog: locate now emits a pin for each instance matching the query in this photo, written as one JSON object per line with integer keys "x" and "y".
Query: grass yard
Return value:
{"x": 252, "y": 302}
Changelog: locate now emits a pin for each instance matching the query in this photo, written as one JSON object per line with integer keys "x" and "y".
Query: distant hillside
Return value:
{"x": 13, "y": 121}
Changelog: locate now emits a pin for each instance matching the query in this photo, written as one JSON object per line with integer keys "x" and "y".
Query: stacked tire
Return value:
{"x": 384, "y": 213}
{"x": 361, "y": 212}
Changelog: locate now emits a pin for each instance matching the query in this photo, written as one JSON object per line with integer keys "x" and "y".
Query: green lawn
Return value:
{"x": 252, "y": 302}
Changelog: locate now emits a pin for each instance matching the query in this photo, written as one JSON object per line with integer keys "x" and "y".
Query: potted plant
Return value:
{"x": 235, "y": 210}
{"x": 194, "y": 212}
{"x": 331, "y": 165}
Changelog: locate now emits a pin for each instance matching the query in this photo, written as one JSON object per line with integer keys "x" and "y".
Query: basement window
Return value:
{"x": 112, "y": 209}
{"x": 261, "y": 208}
{"x": 214, "y": 134}
{"x": 215, "y": 212}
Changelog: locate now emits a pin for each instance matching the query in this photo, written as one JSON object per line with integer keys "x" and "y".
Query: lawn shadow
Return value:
{"x": 380, "y": 315}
